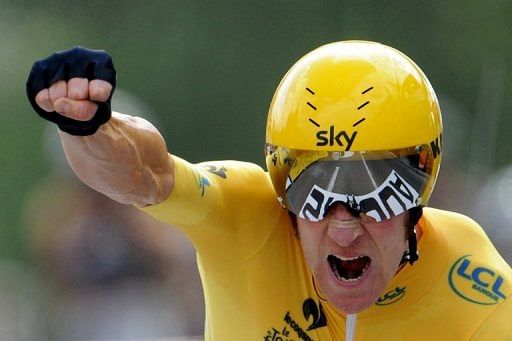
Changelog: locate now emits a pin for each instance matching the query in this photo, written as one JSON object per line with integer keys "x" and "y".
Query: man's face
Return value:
{"x": 352, "y": 259}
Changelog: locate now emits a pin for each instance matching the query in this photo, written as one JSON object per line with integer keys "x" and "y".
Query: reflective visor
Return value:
{"x": 380, "y": 184}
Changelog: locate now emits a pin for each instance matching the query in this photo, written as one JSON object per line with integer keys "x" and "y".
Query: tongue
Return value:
{"x": 351, "y": 269}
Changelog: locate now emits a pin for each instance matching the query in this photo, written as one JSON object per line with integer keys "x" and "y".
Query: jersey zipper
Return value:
{"x": 350, "y": 327}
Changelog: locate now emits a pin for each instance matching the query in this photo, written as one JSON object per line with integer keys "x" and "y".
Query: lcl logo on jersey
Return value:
{"x": 477, "y": 283}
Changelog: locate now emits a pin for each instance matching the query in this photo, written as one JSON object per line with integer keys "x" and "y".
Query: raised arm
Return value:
{"x": 121, "y": 156}
{"x": 126, "y": 159}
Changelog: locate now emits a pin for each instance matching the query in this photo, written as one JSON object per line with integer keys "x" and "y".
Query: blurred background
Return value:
{"x": 76, "y": 266}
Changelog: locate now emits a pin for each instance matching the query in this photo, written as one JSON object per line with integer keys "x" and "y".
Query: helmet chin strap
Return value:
{"x": 411, "y": 255}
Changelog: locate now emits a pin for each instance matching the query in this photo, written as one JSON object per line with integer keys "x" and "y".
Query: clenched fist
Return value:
{"x": 73, "y": 89}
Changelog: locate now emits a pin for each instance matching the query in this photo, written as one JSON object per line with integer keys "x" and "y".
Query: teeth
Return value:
{"x": 347, "y": 258}
{"x": 351, "y": 280}
{"x": 349, "y": 273}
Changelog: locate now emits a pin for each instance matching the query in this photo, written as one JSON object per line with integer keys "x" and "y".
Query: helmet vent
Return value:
{"x": 309, "y": 103}
{"x": 363, "y": 105}
{"x": 312, "y": 107}
{"x": 360, "y": 121}
{"x": 370, "y": 88}
{"x": 315, "y": 123}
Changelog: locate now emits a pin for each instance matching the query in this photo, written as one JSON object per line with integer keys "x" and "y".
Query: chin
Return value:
{"x": 352, "y": 305}
{"x": 353, "y": 297}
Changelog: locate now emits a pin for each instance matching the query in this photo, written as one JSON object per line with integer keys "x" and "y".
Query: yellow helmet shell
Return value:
{"x": 353, "y": 95}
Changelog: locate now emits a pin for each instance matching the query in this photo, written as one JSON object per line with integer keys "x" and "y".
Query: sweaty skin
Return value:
{"x": 342, "y": 235}
{"x": 126, "y": 159}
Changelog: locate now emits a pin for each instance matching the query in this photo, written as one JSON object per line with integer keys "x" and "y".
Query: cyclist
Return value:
{"x": 353, "y": 149}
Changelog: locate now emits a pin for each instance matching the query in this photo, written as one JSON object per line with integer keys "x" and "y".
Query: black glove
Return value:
{"x": 76, "y": 62}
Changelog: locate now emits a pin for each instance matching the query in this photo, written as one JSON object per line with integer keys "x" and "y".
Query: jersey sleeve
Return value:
{"x": 227, "y": 209}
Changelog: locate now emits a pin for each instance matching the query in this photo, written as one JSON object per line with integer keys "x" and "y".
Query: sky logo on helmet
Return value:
{"x": 477, "y": 283}
{"x": 333, "y": 136}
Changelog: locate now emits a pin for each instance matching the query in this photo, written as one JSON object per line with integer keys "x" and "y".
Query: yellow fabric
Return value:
{"x": 257, "y": 285}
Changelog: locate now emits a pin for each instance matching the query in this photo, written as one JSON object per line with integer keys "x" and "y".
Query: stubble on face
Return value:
{"x": 352, "y": 266}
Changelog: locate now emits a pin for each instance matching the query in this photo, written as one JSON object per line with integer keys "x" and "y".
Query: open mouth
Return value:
{"x": 349, "y": 269}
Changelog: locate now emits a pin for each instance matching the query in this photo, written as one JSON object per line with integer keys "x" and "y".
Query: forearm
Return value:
{"x": 126, "y": 159}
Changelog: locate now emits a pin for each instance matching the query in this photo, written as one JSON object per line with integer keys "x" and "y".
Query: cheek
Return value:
{"x": 389, "y": 237}
{"x": 397, "y": 247}
{"x": 310, "y": 236}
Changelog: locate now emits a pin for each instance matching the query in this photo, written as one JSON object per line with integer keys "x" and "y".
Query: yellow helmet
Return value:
{"x": 357, "y": 122}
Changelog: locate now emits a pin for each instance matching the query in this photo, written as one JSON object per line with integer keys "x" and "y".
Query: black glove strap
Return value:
{"x": 76, "y": 62}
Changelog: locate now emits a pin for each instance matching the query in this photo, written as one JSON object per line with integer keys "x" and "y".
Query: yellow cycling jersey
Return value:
{"x": 257, "y": 285}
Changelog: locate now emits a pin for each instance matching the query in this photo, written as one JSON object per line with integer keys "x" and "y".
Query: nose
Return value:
{"x": 342, "y": 226}
{"x": 341, "y": 211}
